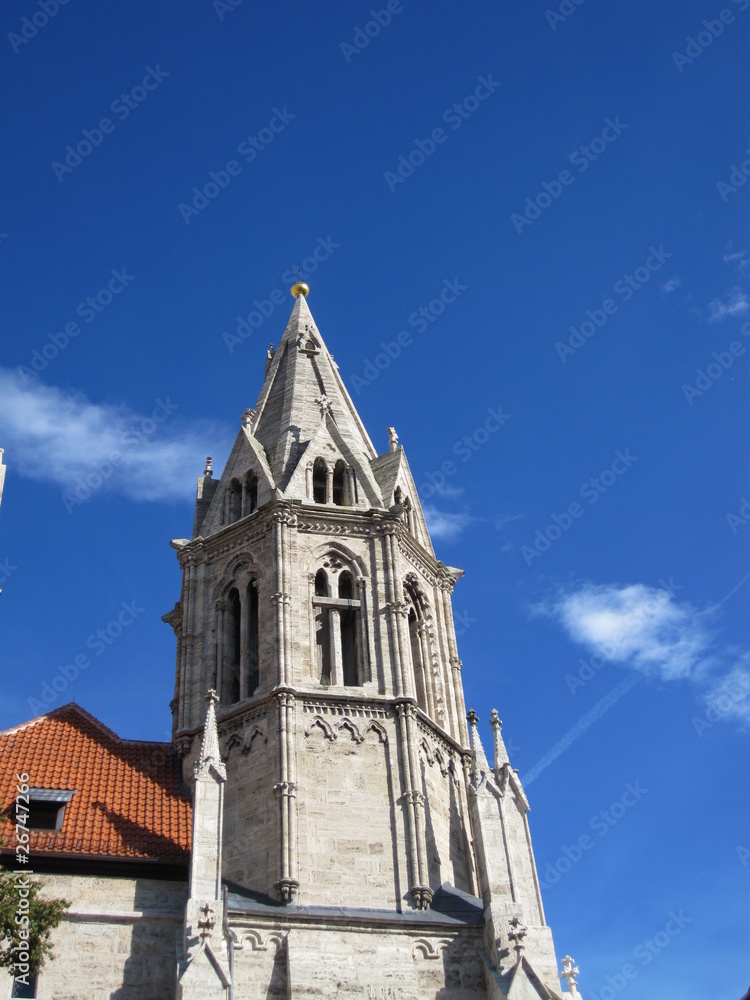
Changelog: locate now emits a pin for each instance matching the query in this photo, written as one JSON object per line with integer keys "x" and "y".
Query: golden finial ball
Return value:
{"x": 300, "y": 288}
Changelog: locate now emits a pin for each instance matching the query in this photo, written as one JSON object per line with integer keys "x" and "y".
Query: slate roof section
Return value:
{"x": 129, "y": 800}
{"x": 450, "y": 908}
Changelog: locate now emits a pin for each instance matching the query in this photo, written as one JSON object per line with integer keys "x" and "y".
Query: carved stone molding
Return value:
{"x": 430, "y": 949}
{"x": 285, "y": 789}
{"x": 287, "y": 889}
{"x": 421, "y": 896}
{"x": 250, "y": 940}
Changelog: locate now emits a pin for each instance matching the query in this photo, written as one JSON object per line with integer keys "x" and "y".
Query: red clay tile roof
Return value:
{"x": 129, "y": 800}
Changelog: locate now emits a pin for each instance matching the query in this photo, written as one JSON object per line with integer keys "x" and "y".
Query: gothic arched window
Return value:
{"x": 350, "y": 639}
{"x": 233, "y": 502}
{"x": 320, "y": 480}
{"x": 250, "y": 494}
{"x": 418, "y": 646}
{"x": 252, "y": 659}
{"x": 322, "y": 629}
{"x": 339, "y": 474}
{"x": 230, "y": 677}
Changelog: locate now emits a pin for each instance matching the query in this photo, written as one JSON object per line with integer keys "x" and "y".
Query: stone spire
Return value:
{"x": 479, "y": 763}
{"x": 288, "y": 412}
{"x": 209, "y": 761}
{"x": 501, "y": 754}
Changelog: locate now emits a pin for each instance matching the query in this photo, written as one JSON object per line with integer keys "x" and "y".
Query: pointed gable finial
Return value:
{"x": 479, "y": 765}
{"x": 210, "y": 755}
{"x": 300, "y": 288}
{"x": 501, "y": 754}
{"x": 569, "y": 973}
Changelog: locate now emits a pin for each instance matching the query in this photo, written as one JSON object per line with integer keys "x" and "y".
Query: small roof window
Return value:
{"x": 47, "y": 808}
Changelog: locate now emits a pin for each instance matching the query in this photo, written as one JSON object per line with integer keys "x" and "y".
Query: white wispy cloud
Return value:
{"x": 735, "y": 303}
{"x": 62, "y": 438}
{"x": 738, "y": 258}
{"x": 502, "y": 519}
{"x": 445, "y": 524}
{"x": 672, "y": 285}
{"x": 648, "y": 630}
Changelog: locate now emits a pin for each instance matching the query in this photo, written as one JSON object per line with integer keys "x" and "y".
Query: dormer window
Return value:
{"x": 47, "y": 808}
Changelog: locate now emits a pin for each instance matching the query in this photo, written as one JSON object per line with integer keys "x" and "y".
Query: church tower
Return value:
{"x": 360, "y": 820}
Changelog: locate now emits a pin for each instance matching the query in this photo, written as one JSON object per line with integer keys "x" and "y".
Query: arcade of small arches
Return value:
{"x": 240, "y": 498}
{"x": 335, "y": 484}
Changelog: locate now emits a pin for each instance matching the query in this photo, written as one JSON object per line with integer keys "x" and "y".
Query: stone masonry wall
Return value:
{"x": 118, "y": 940}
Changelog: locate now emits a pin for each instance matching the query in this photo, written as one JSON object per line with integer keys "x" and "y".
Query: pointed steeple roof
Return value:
{"x": 479, "y": 765}
{"x": 303, "y": 387}
{"x": 501, "y": 754}
{"x": 209, "y": 759}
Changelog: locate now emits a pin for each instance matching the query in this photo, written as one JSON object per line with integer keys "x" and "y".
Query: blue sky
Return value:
{"x": 577, "y": 178}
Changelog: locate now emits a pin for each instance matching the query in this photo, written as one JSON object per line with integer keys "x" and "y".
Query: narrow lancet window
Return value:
{"x": 253, "y": 658}
{"x": 322, "y": 630}
{"x": 339, "y": 474}
{"x": 230, "y": 680}
{"x": 350, "y": 639}
{"x": 320, "y": 481}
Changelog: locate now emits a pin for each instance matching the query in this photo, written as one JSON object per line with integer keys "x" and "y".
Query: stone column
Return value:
{"x": 329, "y": 485}
{"x": 337, "y": 660}
{"x": 285, "y": 791}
